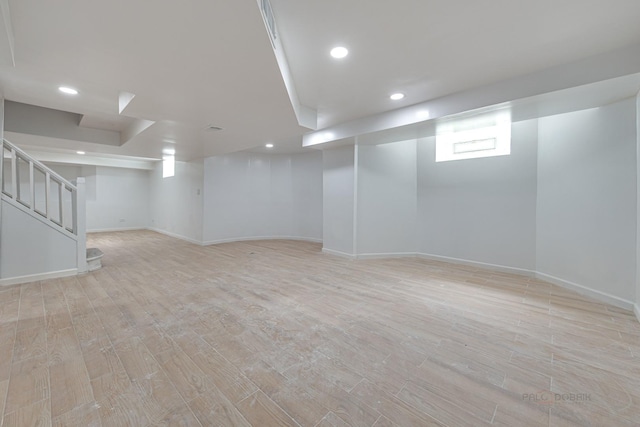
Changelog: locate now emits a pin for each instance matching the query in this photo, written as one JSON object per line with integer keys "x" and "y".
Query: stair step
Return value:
{"x": 94, "y": 253}
{"x": 94, "y": 259}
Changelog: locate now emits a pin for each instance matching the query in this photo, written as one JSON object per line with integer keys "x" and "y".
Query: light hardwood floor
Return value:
{"x": 276, "y": 333}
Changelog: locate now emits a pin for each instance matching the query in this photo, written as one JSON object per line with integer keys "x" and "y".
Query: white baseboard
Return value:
{"x": 338, "y": 253}
{"x": 234, "y": 239}
{"x": 583, "y": 290}
{"x": 387, "y": 255}
{"x": 248, "y": 239}
{"x": 111, "y": 230}
{"x": 177, "y": 236}
{"x": 37, "y": 277}
{"x": 495, "y": 267}
{"x": 592, "y": 293}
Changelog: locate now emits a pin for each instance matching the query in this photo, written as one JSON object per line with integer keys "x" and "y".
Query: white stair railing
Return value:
{"x": 38, "y": 188}
{"x": 44, "y": 194}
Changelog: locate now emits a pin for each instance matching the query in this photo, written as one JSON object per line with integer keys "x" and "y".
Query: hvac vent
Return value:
{"x": 269, "y": 20}
{"x": 213, "y": 128}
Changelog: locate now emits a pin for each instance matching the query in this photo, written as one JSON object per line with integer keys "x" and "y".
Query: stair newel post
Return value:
{"x": 80, "y": 223}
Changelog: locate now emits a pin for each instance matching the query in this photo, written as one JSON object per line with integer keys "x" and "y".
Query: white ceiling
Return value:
{"x": 190, "y": 65}
{"x": 199, "y": 63}
{"x": 432, "y": 48}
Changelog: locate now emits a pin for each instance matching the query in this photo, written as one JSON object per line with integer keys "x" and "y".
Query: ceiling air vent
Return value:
{"x": 213, "y": 128}
{"x": 269, "y": 20}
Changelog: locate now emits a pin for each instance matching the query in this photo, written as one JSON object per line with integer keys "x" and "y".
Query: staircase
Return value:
{"x": 94, "y": 259}
{"x": 42, "y": 221}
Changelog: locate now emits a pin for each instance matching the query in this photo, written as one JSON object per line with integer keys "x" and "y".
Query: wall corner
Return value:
{"x": 637, "y": 293}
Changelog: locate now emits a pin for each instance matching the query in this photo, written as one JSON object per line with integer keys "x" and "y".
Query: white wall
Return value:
{"x": 122, "y": 199}
{"x": 307, "y": 195}
{"x": 480, "y": 210}
{"x": 587, "y": 198}
{"x": 563, "y": 204}
{"x": 339, "y": 173}
{"x": 637, "y": 300}
{"x": 30, "y": 247}
{"x": 386, "y": 199}
{"x": 176, "y": 203}
{"x": 117, "y": 198}
{"x": 254, "y": 195}
{"x": 2, "y": 151}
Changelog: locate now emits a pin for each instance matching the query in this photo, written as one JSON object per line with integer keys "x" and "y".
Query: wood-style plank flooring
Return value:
{"x": 274, "y": 333}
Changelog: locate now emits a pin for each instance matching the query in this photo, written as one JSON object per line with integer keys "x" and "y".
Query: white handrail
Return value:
{"x": 36, "y": 162}
{"x": 16, "y": 193}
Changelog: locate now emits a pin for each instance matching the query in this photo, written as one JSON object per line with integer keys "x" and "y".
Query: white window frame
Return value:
{"x": 472, "y": 138}
{"x": 168, "y": 166}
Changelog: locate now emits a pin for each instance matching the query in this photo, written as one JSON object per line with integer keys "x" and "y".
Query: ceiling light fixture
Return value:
{"x": 80, "y": 152}
{"x": 269, "y": 145}
{"x": 68, "y": 90}
{"x": 397, "y": 96}
{"x": 339, "y": 52}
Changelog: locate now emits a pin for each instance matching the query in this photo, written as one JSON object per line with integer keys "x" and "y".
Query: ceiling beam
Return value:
{"x": 602, "y": 67}
{"x": 306, "y": 116}
{"x": 35, "y": 120}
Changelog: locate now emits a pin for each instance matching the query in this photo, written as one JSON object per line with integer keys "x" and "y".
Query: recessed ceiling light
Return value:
{"x": 397, "y": 96}
{"x": 68, "y": 90}
{"x": 339, "y": 52}
{"x": 269, "y": 145}
{"x": 80, "y": 152}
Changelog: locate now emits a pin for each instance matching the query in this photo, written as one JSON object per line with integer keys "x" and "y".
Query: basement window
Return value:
{"x": 168, "y": 166}
{"x": 472, "y": 138}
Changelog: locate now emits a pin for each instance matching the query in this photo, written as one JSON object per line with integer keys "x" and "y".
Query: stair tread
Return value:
{"x": 94, "y": 253}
